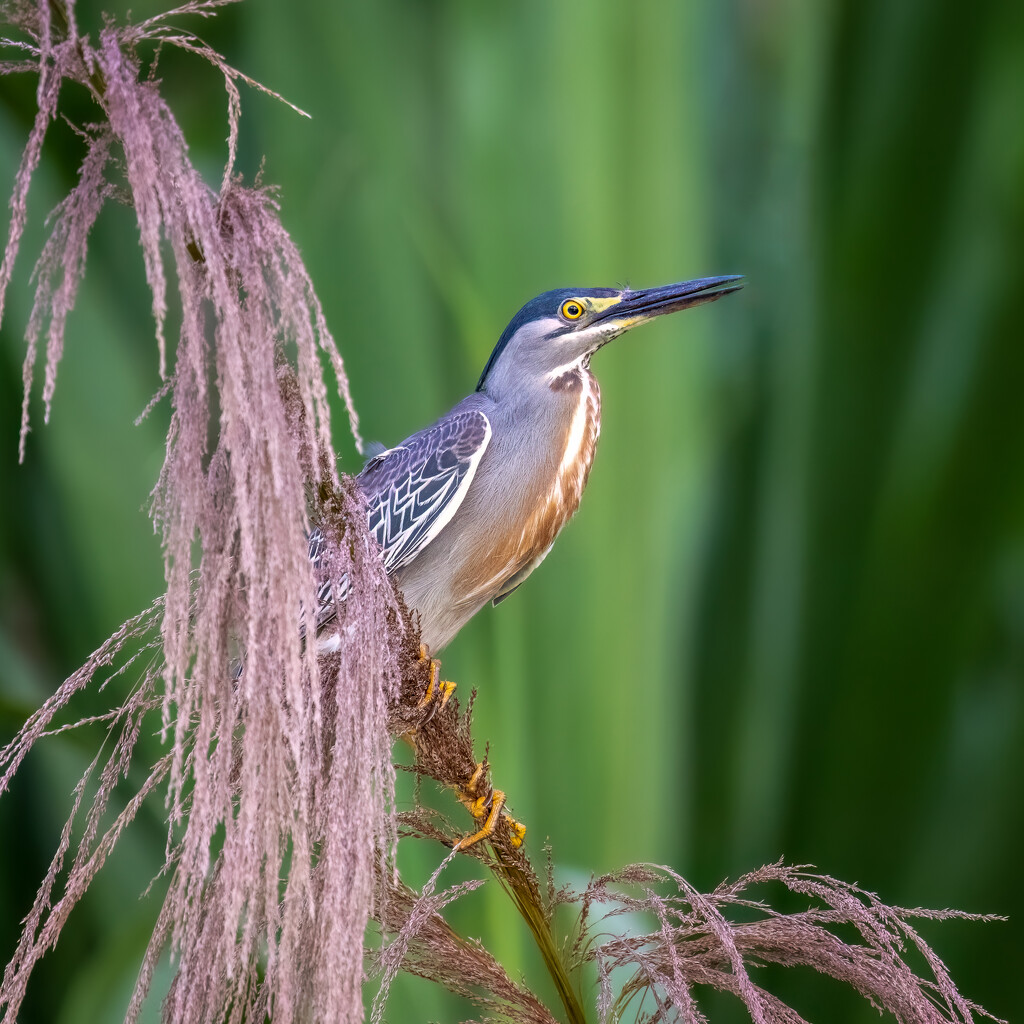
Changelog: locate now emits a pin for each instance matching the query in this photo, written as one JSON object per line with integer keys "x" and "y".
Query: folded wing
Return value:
{"x": 411, "y": 493}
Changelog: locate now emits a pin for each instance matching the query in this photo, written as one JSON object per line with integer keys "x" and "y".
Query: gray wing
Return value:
{"x": 412, "y": 491}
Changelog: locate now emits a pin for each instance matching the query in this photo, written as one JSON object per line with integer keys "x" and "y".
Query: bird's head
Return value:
{"x": 565, "y": 327}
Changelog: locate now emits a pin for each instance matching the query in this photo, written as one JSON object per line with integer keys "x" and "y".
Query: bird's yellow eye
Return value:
{"x": 572, "y": 310}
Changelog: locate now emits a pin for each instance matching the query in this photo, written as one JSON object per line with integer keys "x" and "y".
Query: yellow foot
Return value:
{"x": 486, "y": 830}
{"x": 518, "y": 830}
{"x": 488, "y": 808}
{"x": 445, "y": 688}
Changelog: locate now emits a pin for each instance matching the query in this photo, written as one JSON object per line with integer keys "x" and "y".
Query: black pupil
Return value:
{"x": 573, "y": 309}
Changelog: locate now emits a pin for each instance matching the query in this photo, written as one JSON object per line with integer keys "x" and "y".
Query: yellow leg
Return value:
{"x": 470, "y": 796}
{"x": 518, "y": 831}
{"x": 486, "y": 830}
{"x": 446, "y": 688}
{"x": 477, "y": 805}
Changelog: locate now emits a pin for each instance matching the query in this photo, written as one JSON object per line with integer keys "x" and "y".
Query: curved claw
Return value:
{"x": 488, "y": 807}
{"x": 435, "y": 686}
{"x": 486, "y": 830}
{"x": 518, "y": 830}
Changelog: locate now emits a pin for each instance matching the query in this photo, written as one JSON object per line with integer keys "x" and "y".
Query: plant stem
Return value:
{"x": 522, "y": 888}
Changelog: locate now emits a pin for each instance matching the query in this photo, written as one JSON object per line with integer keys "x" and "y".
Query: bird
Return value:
{"x": 466, "y": 508}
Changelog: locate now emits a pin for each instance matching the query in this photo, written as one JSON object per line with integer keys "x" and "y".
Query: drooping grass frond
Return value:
{"x": 424, "y": 944}
{"x": 278, "y": 778}
{"x": 129, "y": 649}
{"x": 846, "y": 933}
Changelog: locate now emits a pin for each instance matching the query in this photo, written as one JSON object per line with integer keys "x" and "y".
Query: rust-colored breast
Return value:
{"x": 563, "y": 497}
{"x": 552, "y": 502}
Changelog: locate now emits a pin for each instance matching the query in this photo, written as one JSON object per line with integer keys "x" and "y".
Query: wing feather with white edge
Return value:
{"x": 413, "y": 491}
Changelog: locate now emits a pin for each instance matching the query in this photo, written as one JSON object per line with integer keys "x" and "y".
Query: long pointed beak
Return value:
{"x": 638, "y": 307}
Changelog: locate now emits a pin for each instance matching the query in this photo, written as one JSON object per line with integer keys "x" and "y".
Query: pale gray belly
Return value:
{"x": 467, "y": 564}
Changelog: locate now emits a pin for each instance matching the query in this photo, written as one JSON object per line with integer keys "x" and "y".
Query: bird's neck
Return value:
{"x": 545, "y": 451}
{"x": 577, "y": 392}
{"x": 563, "y": 410}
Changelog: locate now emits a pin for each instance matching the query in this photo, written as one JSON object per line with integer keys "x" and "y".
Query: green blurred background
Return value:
{"x": 789, "y": 617}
